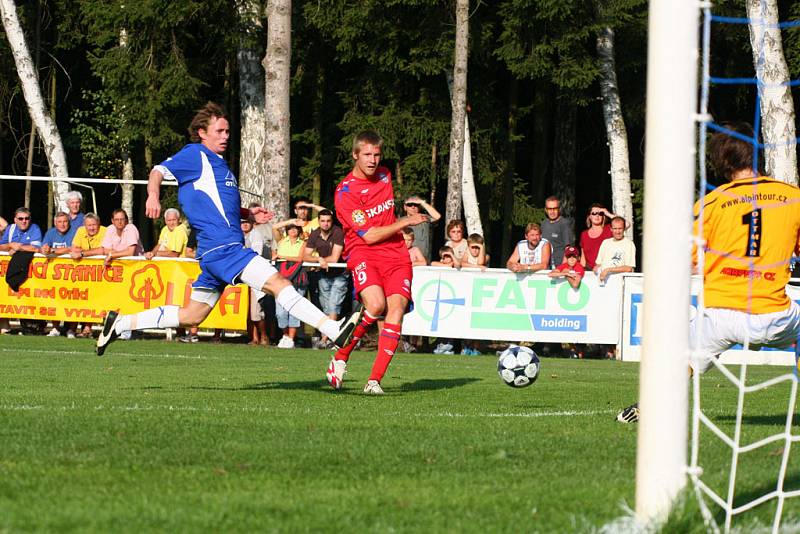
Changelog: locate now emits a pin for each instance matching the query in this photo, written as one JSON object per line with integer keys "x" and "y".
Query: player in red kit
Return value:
{"x": 376, "y": 254}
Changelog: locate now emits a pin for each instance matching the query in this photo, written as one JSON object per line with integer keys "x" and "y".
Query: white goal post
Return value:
{"x": 670, "y": 159}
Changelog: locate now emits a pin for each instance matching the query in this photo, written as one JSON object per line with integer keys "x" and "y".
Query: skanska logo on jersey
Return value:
{"x": 503, "y": 306}
{"x": 380, "y": 208}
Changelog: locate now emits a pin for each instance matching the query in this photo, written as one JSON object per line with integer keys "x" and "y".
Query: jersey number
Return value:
{"x": 754, "y": 223}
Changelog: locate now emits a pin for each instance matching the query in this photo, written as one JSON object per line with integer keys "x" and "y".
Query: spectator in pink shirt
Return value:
{"x": 122, "y": 238}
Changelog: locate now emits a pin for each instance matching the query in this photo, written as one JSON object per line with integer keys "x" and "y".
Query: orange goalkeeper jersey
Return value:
{"x": 750, "y": 228}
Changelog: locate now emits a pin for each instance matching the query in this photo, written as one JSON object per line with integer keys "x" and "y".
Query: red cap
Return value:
{"x": 571, "y": 251}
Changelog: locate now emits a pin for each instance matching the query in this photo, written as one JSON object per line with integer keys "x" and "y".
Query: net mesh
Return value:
{"x": 758, "y": 471}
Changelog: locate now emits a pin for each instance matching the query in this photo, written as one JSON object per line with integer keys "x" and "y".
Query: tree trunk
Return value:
{"x": 252, "y": 170}
{"x": 472, "y": 209}
{"x": 319, "y": 127}
{"x": 509, "y": 171}
{"x": 459, "y": 112}
{"x": 127, "y": 162}
{"x": 777, "y": 105}
{"x": 564, "y": 158}
{"x": 615, "y": 130}
{"x": 277, "y": 65}
{"x": 540, "y": 149}
{"x": 51, "y": 139}
{"x": 29, "y": 165}
{"x": 434, "y": 158}
{"x": 127, "y": 189}
{"x": 472, "y": 212}
{"x": 51, "y": 190}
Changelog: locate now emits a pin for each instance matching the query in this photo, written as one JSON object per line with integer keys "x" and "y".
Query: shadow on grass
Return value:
{"x": 427, "y": 384}
{"x": 322, "y": 386}
{"x": 309, "y": 385}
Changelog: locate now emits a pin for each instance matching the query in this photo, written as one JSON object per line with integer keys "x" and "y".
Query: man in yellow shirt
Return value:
{"x": 172, "y": 239}
{"x": 750, "y": 227}
{"x": 88, "y": 240}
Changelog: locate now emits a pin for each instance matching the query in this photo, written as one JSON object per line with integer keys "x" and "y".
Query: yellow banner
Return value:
{"x": 62, "y": 289}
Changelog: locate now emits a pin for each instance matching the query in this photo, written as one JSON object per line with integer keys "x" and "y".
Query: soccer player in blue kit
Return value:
{"x": 209, "y": 196}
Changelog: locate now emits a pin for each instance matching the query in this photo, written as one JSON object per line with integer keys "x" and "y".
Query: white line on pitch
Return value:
{"x": 526, "y": 414}
{"x": 127, "y": 354}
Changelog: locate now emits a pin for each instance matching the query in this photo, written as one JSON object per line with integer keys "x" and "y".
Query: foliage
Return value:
{"x": 97, "y": 127}
{"x": 153, "y": 57}
{"x": 355, "y": 65}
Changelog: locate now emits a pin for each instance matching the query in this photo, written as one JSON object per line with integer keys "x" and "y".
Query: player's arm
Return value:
{"x": 376, "y": 234}
{"x": 153, "y": 205}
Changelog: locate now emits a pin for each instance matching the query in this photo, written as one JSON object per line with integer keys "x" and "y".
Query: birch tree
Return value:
{"x": 127, "y": 162}
{"x": 459, "y": 111}
{"x": 777, "y": 104}
{"x": 29, "y": 80}
{"x": 472, "y": 214}
{"x": 277, "y": 63}
{"x": 252, "y": 163}
{"x": 616, "y": 133}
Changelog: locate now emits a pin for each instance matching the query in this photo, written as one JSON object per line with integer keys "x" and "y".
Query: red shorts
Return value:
{"x": 394, "y": 278}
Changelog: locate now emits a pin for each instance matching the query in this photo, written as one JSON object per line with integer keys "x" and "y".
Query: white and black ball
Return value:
{"x": 518, "y": 367}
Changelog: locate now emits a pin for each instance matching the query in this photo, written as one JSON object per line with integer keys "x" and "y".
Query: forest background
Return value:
{"x": 122, "y": 81}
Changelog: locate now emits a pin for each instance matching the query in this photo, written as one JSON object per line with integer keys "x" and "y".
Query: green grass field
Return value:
{"x": 160, "y": 436}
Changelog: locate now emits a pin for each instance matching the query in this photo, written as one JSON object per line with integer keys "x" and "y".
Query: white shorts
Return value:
{"x": 723, "y": 328}
{"x": 255, "y": 274}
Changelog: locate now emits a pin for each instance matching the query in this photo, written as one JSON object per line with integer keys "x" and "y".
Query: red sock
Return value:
{"x": 387, "y": 344}
{"x": 359, "y": 331}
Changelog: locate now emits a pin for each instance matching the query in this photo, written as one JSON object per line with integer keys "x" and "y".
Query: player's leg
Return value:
{"x": 388, "y": 339}
{"x": 397, "y": 288}
{"x": 262, "y": 275}
{"x": 373, "y": 305}
{"x": 200, "y": 305}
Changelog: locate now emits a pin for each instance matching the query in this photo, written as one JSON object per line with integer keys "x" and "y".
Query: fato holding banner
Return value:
{"x": 62, "y": 289}
{"x": 498, "y": 304}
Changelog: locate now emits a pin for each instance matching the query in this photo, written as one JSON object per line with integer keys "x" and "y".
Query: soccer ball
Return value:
{"x": 518, "y": 367}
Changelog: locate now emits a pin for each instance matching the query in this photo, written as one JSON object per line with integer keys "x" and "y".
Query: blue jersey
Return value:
{"x": 208, "y": 195}
{"x": 31, "y": 236}
{"x": 56, "y": 239}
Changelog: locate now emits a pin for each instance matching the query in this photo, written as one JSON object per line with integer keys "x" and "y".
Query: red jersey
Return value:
{"x": 577, "y": 268}
{"x": 364, "y": 204}
{"x": 591, "y": 245}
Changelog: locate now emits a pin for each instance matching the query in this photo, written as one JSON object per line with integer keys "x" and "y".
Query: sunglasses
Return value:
{"x": 596, "y": 213}
{"x": 476, "y": 247}
{"x": 23, "y": 218}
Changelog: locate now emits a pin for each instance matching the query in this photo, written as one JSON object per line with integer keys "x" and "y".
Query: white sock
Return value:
{"x": 301, "y": 308}
{"x": 161, "y": 317}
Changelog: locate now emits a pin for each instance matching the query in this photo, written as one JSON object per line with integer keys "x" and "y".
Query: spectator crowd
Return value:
{"x": 308, "y": 247}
